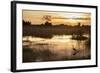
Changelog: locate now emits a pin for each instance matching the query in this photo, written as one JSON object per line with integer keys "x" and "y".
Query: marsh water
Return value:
{"x": 57, "y": 48}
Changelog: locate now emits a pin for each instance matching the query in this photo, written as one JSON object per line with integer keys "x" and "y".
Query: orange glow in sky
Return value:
{"x": 57, "y": 17}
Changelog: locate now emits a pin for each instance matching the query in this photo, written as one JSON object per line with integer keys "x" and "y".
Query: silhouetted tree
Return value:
{"x": 48, "y": 23}
{"x": 47, "y": 19}
{"x": 79, "y": 31}
{"x": 26, "y": 23}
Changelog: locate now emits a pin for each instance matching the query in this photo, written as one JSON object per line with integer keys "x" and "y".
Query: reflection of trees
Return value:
{"x": 88, "y": 42}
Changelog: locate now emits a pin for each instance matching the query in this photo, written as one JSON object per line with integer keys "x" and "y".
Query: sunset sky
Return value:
{"x": 57, "y": 17}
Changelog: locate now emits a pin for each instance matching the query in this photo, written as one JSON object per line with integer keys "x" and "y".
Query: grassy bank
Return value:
{"x": 49, "y": 31}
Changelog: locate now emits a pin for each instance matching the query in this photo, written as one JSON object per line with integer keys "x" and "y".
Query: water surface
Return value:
{"x": 57, "y": 48}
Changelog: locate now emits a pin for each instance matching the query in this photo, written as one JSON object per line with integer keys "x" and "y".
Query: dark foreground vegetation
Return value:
{"x": 49, "y": 31}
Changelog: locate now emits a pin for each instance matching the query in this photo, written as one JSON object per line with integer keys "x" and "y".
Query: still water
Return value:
{"x": 57, "y": 48}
